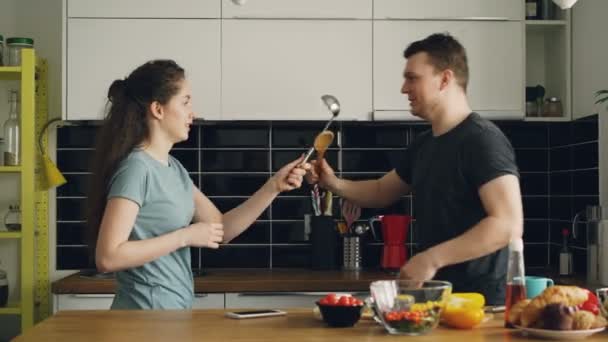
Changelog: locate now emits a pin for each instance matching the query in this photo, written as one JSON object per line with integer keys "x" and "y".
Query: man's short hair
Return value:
{"x": 445, "y": 52}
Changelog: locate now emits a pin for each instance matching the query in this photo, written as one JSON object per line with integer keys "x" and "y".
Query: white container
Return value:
{"x": 14, "y": 46}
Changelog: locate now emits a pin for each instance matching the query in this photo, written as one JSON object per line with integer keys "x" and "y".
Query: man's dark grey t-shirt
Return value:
{"x": 445, "y": 173}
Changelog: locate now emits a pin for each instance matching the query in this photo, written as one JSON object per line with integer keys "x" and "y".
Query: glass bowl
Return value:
{"x": 409, "y": 307}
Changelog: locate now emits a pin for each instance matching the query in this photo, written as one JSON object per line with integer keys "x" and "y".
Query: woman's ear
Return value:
{"x": 156, "y": 109}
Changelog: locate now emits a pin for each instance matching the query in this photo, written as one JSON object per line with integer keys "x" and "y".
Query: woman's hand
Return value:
{"x": 290, "y": 176}
{"x": 203, "y": 234}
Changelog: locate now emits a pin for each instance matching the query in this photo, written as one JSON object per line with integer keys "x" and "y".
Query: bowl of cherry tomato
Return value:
{"x": 408, "y": 307}
{"x": 340, "y": 310}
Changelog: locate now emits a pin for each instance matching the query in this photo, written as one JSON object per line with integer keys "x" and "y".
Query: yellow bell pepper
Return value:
{"x": 463, "y": 310}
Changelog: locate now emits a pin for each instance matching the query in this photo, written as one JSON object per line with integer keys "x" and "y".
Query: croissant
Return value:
{"x": 516, "y": 311}
{"x": 567, "y": 295}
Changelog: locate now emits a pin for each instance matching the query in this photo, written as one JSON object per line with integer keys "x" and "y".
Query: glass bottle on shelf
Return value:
{"x": 516, "y": 285}
{"x": 11, "y": 132}
{"x": 532, "y": 9}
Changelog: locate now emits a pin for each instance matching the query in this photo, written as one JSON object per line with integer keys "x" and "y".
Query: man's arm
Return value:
{"x": 501, "y": 198}
{"x": 376, "y": 193}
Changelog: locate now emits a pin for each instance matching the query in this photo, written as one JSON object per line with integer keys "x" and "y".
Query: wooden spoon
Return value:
{"x": 322, "y": 142}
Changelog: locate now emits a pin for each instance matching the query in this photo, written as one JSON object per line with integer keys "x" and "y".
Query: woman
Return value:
{"x": 144, "y": 211}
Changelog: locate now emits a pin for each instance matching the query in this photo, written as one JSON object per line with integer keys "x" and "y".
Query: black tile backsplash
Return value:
{"x": 230, "y": 161}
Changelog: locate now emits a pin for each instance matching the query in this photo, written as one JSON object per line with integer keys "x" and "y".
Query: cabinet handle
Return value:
{"x": 457, "y": 19}
{"x": 96, "y": 295}
{"x": 200, "y": 295}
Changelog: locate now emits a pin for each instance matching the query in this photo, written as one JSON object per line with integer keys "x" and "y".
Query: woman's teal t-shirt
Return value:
{"x": 164, "y": 194}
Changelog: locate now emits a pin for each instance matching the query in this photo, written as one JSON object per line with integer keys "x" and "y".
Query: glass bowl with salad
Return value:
{"x": 409, "y": 307}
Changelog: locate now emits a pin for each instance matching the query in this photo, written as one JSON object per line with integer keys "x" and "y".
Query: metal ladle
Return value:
{"x": 334, "y": 107}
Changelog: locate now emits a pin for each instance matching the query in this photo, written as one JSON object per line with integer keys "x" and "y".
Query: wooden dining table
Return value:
{"x": 300, "y": 324}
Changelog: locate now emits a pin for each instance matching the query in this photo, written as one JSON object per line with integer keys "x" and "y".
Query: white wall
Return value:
{"x": 590, "y": 73}
{"x": 589, "y": 54}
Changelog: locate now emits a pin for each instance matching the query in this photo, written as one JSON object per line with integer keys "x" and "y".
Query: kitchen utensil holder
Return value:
{"x": 324, "y": 243}
{"x": 351, "y": 253}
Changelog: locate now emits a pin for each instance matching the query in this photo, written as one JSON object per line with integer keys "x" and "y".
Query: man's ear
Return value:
{"x": 156, "y": 109}
{"x": 447, "y": 76}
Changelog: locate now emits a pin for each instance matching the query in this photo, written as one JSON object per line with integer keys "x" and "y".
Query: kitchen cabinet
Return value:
{"x": 102, "y": 301}
{"x": 549, "y": 62}
{"x": 441, "y": 9}
{"x": 278, "y": 300}
{"x": 279, "y": 69}
{"x": 496, "y": 63}
{"x": 143, "y": 9}
{"x": 361, "y": 9}
{"x": 102, "y": 50}
{"x": 589, "y": 55}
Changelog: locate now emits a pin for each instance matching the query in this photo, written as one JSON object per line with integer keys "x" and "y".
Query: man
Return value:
{"x": 462, "y": 172}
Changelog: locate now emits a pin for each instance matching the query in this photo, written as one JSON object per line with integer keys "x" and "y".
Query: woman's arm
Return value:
{"x": 240, "y": 218}
{"x": 115, "y": 252}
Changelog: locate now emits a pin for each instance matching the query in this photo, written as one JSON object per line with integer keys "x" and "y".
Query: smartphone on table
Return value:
{"x": 255, "y": 313}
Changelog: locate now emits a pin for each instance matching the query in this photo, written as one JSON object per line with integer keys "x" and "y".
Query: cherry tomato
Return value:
{"x": 332, "y": 299}
{"x": 344, "y": 301}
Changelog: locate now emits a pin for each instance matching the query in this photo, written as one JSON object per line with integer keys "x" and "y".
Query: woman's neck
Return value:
{"x": 158, "y": 150}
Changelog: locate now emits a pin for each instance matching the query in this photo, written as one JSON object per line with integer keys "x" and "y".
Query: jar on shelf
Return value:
{"x": 14, "y": 46}
{"x": 12, "y": 218}
{"x": 1, "y": 50}
{"x": 552, "y": 107}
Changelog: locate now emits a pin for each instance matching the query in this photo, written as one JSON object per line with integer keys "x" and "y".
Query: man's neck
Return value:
{"x": 450, "y": 115}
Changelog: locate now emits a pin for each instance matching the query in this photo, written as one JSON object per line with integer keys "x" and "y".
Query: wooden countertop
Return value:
{"x": 211, "y": 325}
{"x": 245, "y": 280}
{"x": 267, "y": 280}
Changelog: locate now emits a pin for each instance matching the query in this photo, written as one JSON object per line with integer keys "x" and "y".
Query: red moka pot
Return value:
{"x": 394, "y": 234}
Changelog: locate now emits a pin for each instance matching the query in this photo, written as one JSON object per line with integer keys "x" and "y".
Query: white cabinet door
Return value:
{"x": 279, "y": 69}
{"x": 102, "y": 50}
{"x": 361, "y": 9}
{"x": 82, "y": 302}
{"x": 143, "y": 8}
{"x": 278, "y": 300}
{"x": 451, "y": 9}
{"x": 495, "y": 55}
{"x": 208, "y": 301}
{"x": 589, "y": 56}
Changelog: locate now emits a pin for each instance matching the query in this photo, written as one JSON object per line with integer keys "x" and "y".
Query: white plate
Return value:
{"x": 559, "y": 334}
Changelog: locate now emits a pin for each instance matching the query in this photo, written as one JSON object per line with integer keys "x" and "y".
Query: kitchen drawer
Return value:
{"x": 143, "y": 9}
{"x": 208, "y": 301}
{"x": 99, "y": 301}
{"x": 360, "y": 9}
{"x": 261, "y": 300}
{"x": 104, "y": 301}
{"x": 450, "y": 9}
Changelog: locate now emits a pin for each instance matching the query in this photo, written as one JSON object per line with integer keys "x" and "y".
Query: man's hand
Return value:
{"x": 421, "y": 266}
{"x": 322, "y": 173}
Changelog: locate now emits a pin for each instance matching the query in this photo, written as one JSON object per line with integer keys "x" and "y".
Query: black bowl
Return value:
{"x": 340, "y": 316}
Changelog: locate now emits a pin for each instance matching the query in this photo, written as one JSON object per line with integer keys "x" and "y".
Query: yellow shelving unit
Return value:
{"x": 26, "y": 75}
